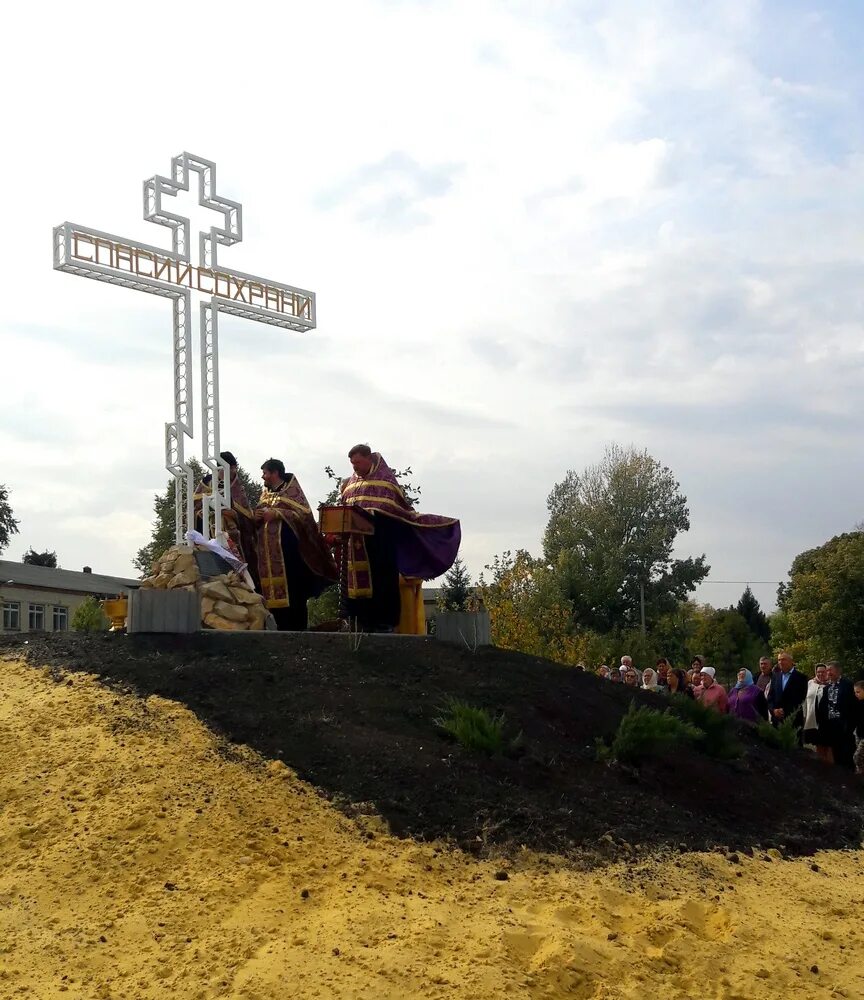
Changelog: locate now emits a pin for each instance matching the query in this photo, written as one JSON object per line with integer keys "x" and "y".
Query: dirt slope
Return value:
{"x": 146, "y": 858}
{"x": 359, "y": 724}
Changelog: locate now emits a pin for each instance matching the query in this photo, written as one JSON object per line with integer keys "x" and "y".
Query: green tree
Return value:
{"x": 674, "y": 634}
{"x": 821, "y": 609}
{"x": 8, "y": 524}
{"x": 34, "y": 558}
{"x": 610, "y": 535}
{"x": 89, "y": 617}
{"x": 162, "y": 536}
{"x": 456, "y": 591}
{"x": 724, "y": 639}
{"x": 757, "y": 621}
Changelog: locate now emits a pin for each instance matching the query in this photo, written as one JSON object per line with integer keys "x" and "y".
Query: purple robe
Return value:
{"x": 748, "y": 704}
{"x": 426, "y": 544}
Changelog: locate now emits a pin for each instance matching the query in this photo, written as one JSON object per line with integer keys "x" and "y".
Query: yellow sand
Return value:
{"x": 141, "y": 859}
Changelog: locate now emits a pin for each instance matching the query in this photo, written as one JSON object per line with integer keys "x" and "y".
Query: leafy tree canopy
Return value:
{"x": 611, "y": 531}
{"x": 89, "y": 617}
{"x": 8, "y": 524}
{"x": 34, "y": 558}
{"x": 821, "y": 608}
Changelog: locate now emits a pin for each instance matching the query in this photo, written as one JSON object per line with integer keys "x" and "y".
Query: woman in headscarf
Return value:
{"x": 711, "y": 693}
{"x": 813, "y": 734}
{"x": 649, "y": 680}
{"x": 746, "y": 700}
{"x": 676, "y": 683}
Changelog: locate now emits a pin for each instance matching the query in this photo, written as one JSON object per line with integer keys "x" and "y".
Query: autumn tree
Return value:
{"x": 609, "y": 541}
{"x": 526, "y": 611}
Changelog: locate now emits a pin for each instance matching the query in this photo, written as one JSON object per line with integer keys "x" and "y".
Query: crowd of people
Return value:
{"x": 827, "y": 710}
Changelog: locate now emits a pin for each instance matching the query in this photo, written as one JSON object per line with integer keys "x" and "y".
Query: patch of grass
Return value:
{"x": 474, "y": 728}
{"x": 719, "y": 738}
{"x": 645, "y": 732}
{"x": 783, "y": 737}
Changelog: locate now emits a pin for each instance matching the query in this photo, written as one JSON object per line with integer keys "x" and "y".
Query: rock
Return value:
{"x": 814, "y": 969}
{"x": 217, "y": 621}
{"x": 257, "y": 617}
{"x": 217, "y": 590}
{"x": 207, "y": 605}
{"x": 733, "y": 858}
{"x": 501, "y": 876}
{"x": 184, "y": 561}
{"x": 815, "y": 868}
{"x": 183, "y": 578}
{"x": 160, "y": 582}
{"x": 304, "y": 894}
{"x": 233, "y": 612}
{"x": 242, "y": 595}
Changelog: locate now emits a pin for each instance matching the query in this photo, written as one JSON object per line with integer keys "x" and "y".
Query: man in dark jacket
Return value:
{"x": 786, "y": 694}
{"x": 836, "y": 714}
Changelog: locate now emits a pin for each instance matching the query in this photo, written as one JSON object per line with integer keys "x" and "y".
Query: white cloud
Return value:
{"x": 532, "y": 230}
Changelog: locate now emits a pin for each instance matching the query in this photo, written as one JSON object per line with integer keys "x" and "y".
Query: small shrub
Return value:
{"x": 602, "y": 750}
{"x": 783, "y": 737}
{"x": 474, "y": 728}
{"x": 90, "y": 617}
{"x": 719, "y": 737}
{"x": 645, "y": 732}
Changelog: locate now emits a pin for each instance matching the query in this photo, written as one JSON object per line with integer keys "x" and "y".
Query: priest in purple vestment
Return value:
{"x": 404, "y": 541}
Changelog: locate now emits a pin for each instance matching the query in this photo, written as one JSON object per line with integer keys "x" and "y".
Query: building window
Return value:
{"x": 11, "y": 616}
{"x": 37, "y": 617}
{"x": 61, "y": 621}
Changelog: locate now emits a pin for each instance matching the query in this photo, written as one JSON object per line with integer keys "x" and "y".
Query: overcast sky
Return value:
{"x": 534, "y": 229}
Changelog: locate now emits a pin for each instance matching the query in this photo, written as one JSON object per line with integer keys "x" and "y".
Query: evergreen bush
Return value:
{"x": 90, "y": 617}
{"x": 719, "y": 738}
{"x": 645, "y": 732}
{"x": 474, "y": 728}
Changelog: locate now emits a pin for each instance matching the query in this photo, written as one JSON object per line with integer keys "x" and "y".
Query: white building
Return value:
{"x": 41, "y": 599}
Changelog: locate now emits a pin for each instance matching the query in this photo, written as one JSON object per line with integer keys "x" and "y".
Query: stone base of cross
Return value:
{"x": 172, "y": 275}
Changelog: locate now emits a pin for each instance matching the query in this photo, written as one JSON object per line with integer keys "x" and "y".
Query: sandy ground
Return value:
{"x": 143, "y": 858}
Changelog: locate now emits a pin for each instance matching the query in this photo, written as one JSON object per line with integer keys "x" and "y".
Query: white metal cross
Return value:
{"x": 171, "y": 274}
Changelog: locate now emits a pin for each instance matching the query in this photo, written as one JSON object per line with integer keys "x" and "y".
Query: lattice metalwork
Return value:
{"x": 171, "y": 274}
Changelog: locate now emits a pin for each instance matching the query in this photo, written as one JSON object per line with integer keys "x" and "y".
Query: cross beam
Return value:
{"x": 171, "y": 274}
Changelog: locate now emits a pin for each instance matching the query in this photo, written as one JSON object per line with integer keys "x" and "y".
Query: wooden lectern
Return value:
{"x": 343, "y": 519}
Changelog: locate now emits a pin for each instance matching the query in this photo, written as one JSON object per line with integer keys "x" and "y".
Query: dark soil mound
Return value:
{"x": 359, "y": 725}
